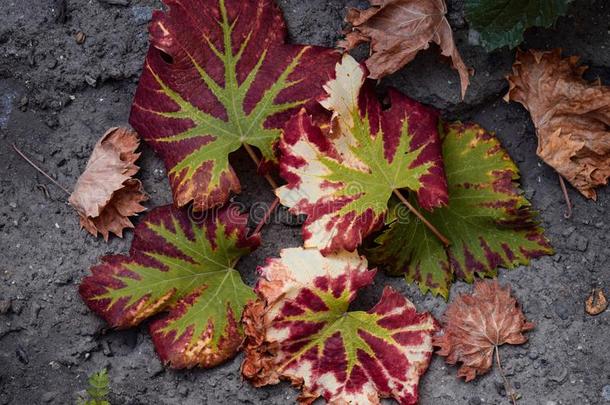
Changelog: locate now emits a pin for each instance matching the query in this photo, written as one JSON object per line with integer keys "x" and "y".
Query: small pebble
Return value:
{"x": 80, "y": 37}
{"x": 606, "y": 392}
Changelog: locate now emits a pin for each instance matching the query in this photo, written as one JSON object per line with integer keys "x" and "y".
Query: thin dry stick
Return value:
{"x": 566, "y": 196}
{"x": 40, "y": 170}
{"x": 271, "y": 182}
{"x": 268, "y": 213}
{"x": 432, "y": 228}
{"x": 507, "y": 386}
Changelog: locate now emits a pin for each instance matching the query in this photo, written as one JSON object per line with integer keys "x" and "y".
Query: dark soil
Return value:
{"x": 56, "y": 99}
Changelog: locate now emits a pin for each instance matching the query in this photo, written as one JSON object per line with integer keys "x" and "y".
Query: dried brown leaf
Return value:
{"x": 105, "y": 194}
{"x": 476, "y": 324}
{"x": 398, "y": 30}
{"x": 596, "y": 303}
{"x": 571, "y": 115}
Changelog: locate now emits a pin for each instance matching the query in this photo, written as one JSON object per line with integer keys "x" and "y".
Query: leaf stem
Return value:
{"x": 507, "y": 386}
{"x": 271, "y": 182}
{"x": 257, "y": 162}
{"x": 268, "y": 213}
{"x": 418, "y": 214}
{"x": 566, "y": 196}
{"x": 40, "y": 170}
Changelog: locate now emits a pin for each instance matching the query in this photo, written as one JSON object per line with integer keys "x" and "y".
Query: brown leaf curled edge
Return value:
{"x": 398, "y": 30}
{"x": 476, "y": 324}
{"x": 105, "y": 194}
{"x": 571, "y": 115}
{"x": 596, "y": 303}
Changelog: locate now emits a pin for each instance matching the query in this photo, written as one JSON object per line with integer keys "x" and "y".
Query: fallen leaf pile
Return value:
{"x": 437, "y": 201}
{"x": 572, "y": 116}
{"x": 477, "y": 324}
{"x": 106, "y": 195}
{"x": 301, "y": 331}
{"x": 397, "y": 30}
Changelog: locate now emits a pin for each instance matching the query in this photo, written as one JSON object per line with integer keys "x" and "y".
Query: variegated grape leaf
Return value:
{"x": 488, "y": 220}
{"x": 218, "y": 75}
{"x": 185, "y": 269}
{"x": 343, "y": 180}
{"x": 301, "y": 330}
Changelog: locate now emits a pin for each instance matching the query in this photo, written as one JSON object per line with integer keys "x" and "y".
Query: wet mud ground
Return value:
{"x": 58, "y": 97}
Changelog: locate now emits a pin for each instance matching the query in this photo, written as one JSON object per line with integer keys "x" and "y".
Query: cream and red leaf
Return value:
{"x": 185, "y": 270}
{"x": 219, "y": 75}
{"x": 488, "y": 220}
{"x": 343, "y": 180}
{"x": 301, "y": 330}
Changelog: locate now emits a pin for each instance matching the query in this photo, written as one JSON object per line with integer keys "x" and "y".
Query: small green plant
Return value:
{"x": 98, "y": 389}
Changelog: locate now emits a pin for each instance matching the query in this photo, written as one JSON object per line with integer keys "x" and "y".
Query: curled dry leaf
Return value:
{"x": 106, "y": 195}
{"x": 301, "y": 330}
{"x": 398, "y": 30}
{"x": 476, "y": 324}
{"x": 184, "y": 269}
{"x": 596, "y": 303}
{"x": 572, "y": 116}
{"x": 343, "y": 182}
{"x": 219, "y": 75}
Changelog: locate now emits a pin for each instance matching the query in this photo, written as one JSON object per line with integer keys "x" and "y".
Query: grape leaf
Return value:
{"x": 218, "y": 75}
{"x": 503, "y": 22}
{"x": 476, "y": 324}
{"x": 487, "y": 220}
{"x": 344, "y": 181}
{"x": 186, "y": 270}
{"x": 300, "y": 330}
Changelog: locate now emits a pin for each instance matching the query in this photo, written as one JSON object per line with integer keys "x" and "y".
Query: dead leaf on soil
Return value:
{"x": 105, "y": 194}
{"x": 571, "y": 115}
{"x": 596, "y": 303}
{"x": 398, "y": 30}
{"x": 476, "y": 324}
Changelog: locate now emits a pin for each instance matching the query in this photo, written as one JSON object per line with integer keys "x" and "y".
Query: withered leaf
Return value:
{"x": 476, "y": 324}
{"x": 596, "y": 303}
{"x": 398, "y": 30}
{"x": 106, "y": 195}
{"x": 571, "y": 115}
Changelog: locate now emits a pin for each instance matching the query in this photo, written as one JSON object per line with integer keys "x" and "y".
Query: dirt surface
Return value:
{"x": 57, "y": 97}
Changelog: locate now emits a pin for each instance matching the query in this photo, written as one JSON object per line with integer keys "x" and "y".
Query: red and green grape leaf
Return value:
{"x": 343, "y": 180}
{"x": 186, "y": 270}
{"x": 301, "y": 330}
{"x": 219, "y": 75}
{"x": 488, "y": 220}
